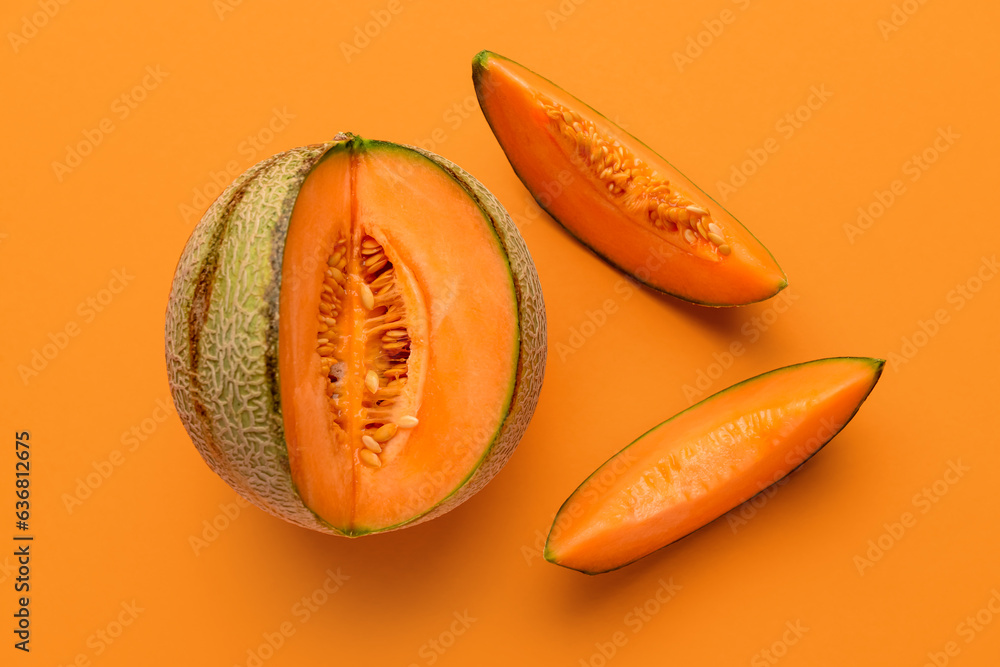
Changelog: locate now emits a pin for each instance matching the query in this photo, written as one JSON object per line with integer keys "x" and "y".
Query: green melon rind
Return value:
{"x": 876, "y": 365}
{"x": 480, "y": 63}
{"x": 226, "y": 388}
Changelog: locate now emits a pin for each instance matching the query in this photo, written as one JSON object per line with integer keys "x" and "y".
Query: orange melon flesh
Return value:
{"x": 322, "y": 470}
{"x": 554, "y": 169}
{"x": 703, "y": 462}
{"x": 464, "y": 338}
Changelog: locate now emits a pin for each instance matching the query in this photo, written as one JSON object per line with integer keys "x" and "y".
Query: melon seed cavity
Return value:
{"x": 630, "y": 180}
{"x": 385, "y": 345}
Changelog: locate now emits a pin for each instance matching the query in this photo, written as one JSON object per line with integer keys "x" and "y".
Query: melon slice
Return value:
{"x": 703, "y": 462}
{"x": 619, "y": 198}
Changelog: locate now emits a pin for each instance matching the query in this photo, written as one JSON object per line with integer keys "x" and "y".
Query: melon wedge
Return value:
{"x": 703, "y": 462}
{"x": 619, "y": 198}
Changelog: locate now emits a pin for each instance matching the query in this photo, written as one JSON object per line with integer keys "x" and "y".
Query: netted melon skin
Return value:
{"x": 222, "y": 335}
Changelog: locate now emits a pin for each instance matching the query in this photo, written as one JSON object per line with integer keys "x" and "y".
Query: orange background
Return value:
{"x": 131, "y": 203}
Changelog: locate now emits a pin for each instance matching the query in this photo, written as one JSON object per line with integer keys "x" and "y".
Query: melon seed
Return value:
{"x": 371, "y": 381}
{"x": 367, "y": 298}
{"x": 385, "y": 432}
{"x": 408, "y": 421}
{"x": 701, "y": 230}
{"x": 371, "y": 444}
{"x": 375, "y": 267}
{"x": 370, "y": 458}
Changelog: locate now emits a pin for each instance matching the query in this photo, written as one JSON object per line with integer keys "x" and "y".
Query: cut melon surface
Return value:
{"x": 424, "y": 338}
{"x": 703, "y": 462}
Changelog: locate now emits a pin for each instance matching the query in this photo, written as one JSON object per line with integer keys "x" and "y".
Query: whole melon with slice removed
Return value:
{"x": 618, "y": 197}
{"x": 706, "y": 460}
{"x": 355, "y": 336}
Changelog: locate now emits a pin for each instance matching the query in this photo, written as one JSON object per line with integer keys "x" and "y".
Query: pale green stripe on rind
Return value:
{"x": 178, "y": 351}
